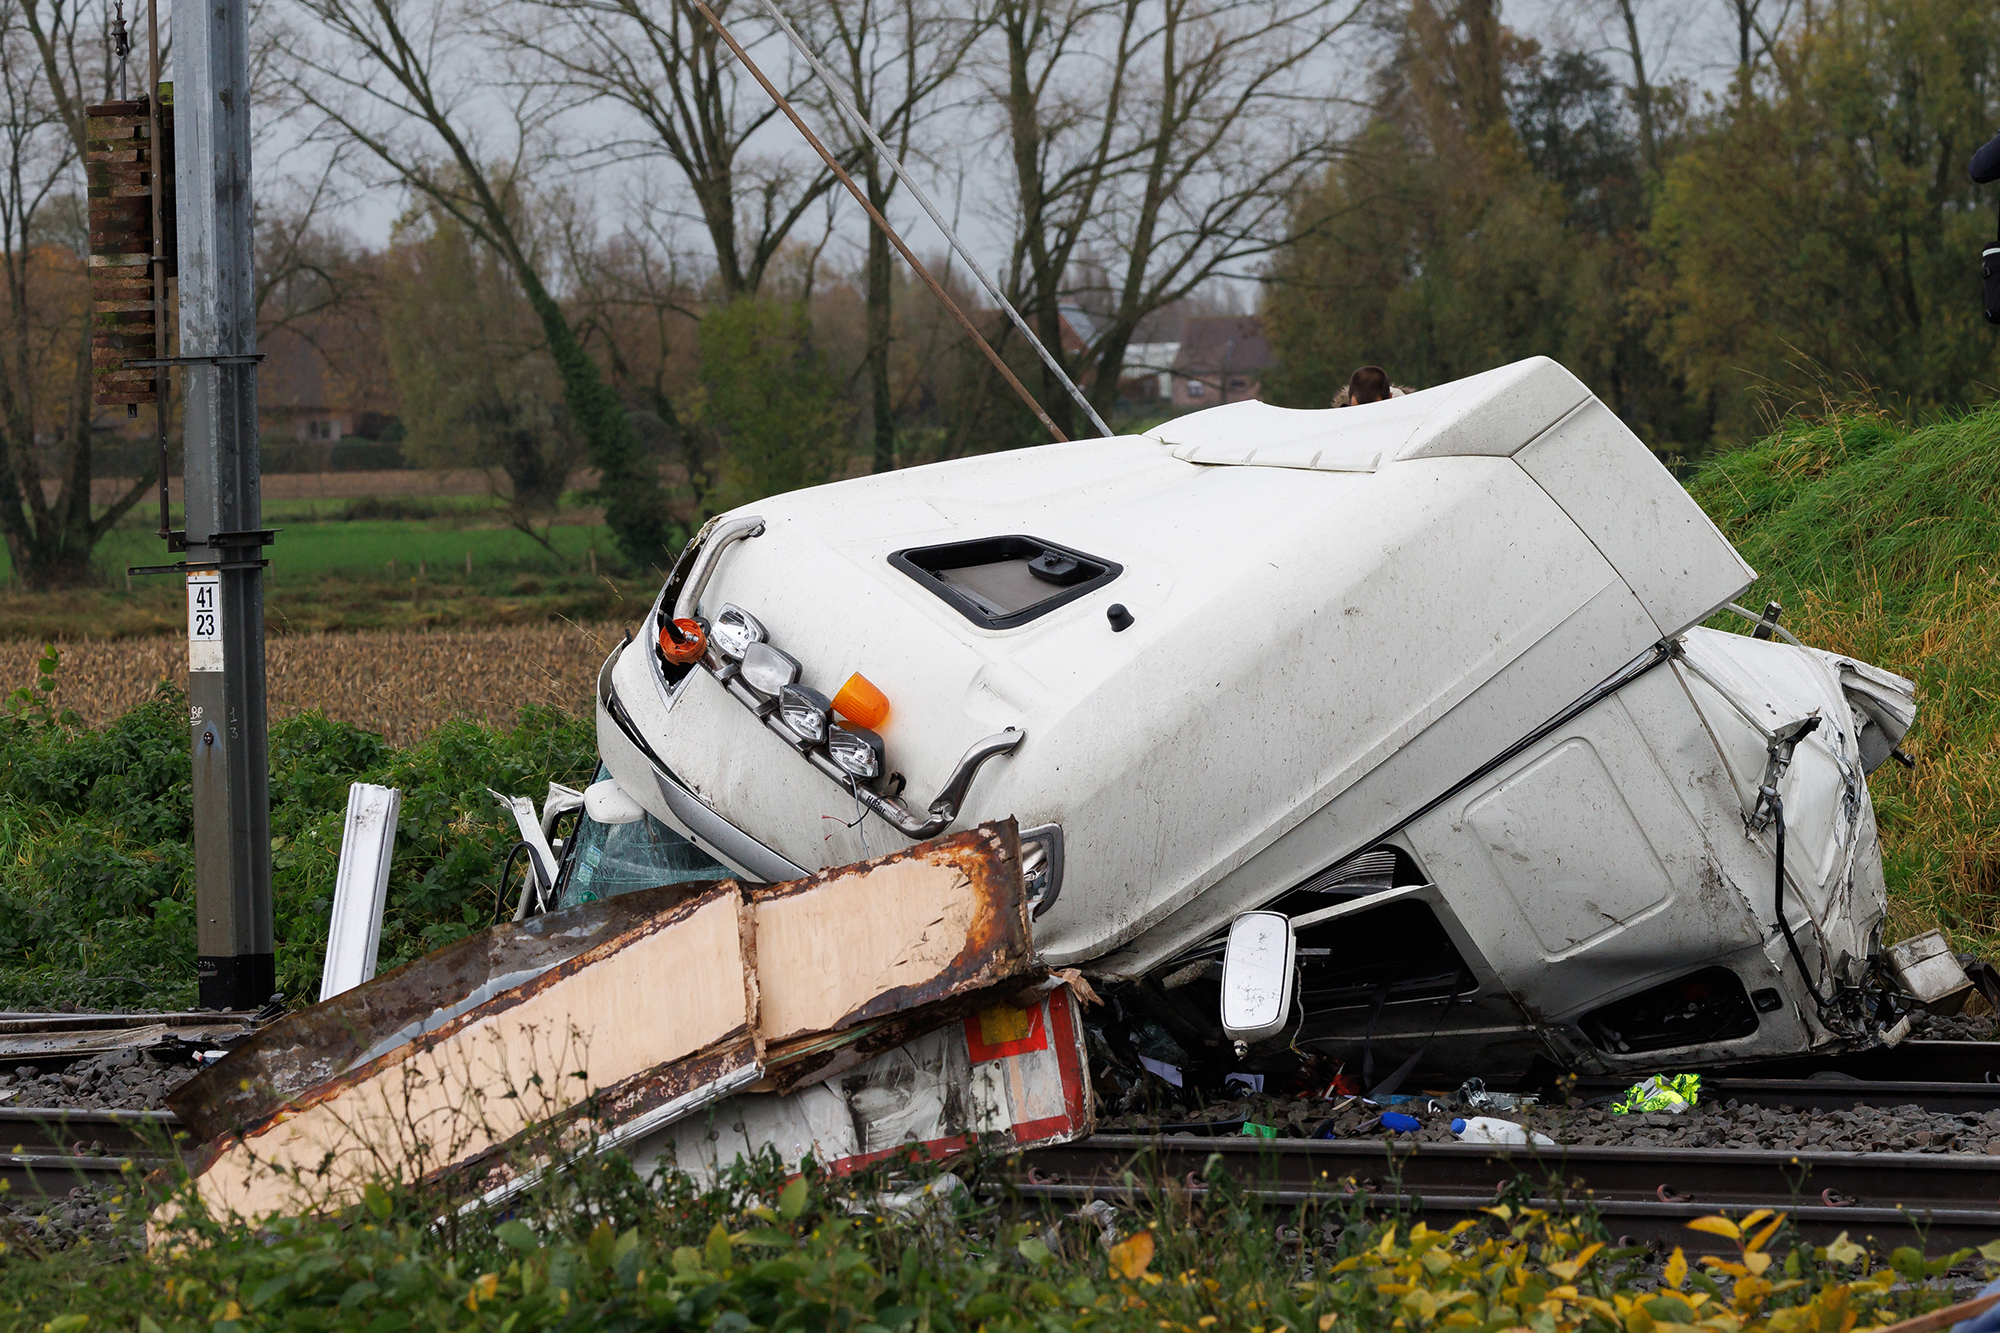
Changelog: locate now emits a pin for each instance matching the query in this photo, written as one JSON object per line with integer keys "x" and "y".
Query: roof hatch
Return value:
{"x": 1005, "y": 582}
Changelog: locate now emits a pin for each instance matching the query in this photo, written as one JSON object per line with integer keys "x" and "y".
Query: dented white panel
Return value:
{"x": 1562, "y": 838}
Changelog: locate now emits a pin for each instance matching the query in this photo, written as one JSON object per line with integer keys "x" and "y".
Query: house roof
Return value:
{"x": 1211, "y": 344}
{"x": 324, "y": 365}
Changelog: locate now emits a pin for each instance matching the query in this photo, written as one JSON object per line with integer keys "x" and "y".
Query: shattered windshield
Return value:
{"x": 611, "y": 859}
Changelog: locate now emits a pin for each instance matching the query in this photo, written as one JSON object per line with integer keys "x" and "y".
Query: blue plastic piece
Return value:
{"x": 1458, "y": 1126}
{"x": 1402, "y": 1124}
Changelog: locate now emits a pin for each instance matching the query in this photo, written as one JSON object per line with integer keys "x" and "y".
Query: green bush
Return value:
{"x": 97, "y": 869}
{"x": 602, "y": 1249}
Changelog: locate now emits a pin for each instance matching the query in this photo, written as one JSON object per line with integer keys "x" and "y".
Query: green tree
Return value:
{"x": 395, "y": 78}
{"x": 477, "y": 384}
{"x": 769, "y": 401}
{"x": 1824, "y": 227}
{"x": 1493, "y": 208}
{"x": 1433, "y": 248}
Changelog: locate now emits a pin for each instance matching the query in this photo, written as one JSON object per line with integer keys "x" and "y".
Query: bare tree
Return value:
{"x": 54, "y": 58}
{"x": 1642, "y": 85}
{"x": 694, "y": 105}
{"x": 897, "y": 57}
{"x": 1756, "y": 36}
{"x": 1162, "y": 141}
{"x": 405, "y": 83}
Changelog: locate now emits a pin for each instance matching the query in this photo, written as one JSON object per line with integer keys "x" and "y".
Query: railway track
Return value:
{"x": 52, "y": 1150}
{"x": 1647, "y": 1194}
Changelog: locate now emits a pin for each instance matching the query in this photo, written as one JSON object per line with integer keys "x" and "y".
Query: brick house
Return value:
{"x": 1222, "y": 359}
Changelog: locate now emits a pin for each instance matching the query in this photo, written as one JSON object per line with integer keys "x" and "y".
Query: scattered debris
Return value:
{"x": 1928, "y": 970}
{"x": 1487, "y": 1129}
{"x": 1671, "y": 1093}
{"x": 60, "y": 1038}
{"x": 360, "y": 887}
{"x": 1725, "y": 1124}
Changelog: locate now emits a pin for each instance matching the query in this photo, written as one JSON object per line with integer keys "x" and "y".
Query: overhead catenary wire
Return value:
{"x": 853, "y": 113}
{"x": 841, "y": 173}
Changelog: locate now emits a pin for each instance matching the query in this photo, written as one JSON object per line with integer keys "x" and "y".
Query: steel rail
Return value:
{"x": 1909, "y": 1061}
{"x": 52, "y": 1174}
{"x": 59, "y": 1129}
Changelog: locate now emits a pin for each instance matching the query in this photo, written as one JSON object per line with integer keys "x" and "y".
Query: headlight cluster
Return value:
{"x": 772, "y": 675}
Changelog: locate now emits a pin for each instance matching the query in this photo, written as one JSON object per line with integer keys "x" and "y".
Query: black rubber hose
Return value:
{"x": 1791, "y": 941}
{"x": 500, "y": 912}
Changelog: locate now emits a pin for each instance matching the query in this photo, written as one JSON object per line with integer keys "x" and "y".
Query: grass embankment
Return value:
{"x": 1884, "y": 543}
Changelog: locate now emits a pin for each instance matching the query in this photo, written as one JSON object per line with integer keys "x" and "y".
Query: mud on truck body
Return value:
{"x": 1425, "y": 679}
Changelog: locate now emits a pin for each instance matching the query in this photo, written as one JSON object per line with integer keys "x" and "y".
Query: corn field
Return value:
{"x": 400, "y": 683}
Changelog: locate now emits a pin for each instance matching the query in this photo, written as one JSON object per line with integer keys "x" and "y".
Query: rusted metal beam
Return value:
{"x": 500, "y": 1054}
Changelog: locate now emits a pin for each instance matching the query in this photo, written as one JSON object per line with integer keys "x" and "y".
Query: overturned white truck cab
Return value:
{"x": 1424, "y": 678}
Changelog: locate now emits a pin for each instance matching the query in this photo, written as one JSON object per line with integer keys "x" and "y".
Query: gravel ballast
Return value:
{"x": 114, "y": 1081}
{"x": 1710, "y": 1124}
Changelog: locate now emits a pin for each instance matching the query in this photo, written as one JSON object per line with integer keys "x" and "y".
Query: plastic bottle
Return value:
{"x": 1486, "y": 1129}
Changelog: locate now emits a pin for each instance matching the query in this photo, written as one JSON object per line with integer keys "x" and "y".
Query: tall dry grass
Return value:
{"x": 400, "y": 683}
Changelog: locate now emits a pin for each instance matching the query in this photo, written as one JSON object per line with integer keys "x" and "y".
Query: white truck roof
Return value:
{"x": 1334, "y": 615}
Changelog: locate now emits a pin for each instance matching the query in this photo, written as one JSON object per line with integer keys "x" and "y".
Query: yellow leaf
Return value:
{"x": 1763, "y": 1237}
{"x": 1756, "y": 1262}
{"x": 1388, "y": 1245}
{"x": 483, "y": 1288}
{"x": 1717, "y": 1226}
{"x": 1755, "y": 1218}
{"x": 1676, "y": 1270}
{"x": 1129, "y": 1257}
{"x": 1325, "y": 1322}
{"x": 1844, "y": 1251}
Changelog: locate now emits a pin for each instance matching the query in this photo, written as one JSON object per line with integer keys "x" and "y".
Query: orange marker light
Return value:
{"x": 688, "y": 647}
{"x": 861, "y": 703}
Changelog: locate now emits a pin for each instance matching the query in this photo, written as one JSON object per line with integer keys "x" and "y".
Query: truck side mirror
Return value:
{"x": 1257, "y": 972}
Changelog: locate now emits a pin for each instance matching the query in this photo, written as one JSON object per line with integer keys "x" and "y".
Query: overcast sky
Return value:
{"x": 971, "y": 181}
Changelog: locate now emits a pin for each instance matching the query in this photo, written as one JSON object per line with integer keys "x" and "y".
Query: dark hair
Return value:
{"x": 1370, "y": 384}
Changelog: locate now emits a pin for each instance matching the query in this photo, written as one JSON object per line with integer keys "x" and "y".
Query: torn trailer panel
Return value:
{"x": 1225, "y": 661}
{"x": 608, "y": 1020}
{"x": 1008, "y": 1077}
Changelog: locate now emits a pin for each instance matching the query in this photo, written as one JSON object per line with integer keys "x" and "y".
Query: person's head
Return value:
{"x": 1370, "y": 384}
